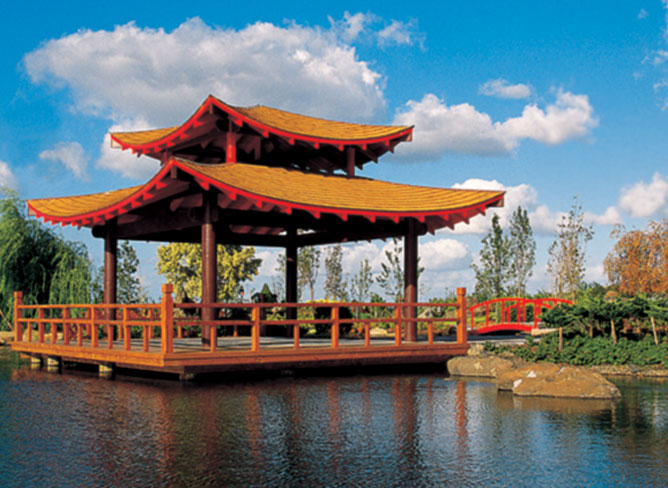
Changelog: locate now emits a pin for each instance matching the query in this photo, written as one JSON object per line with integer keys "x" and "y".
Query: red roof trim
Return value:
{"x": 143, "y": 195}
{"x": 239, "y": 119}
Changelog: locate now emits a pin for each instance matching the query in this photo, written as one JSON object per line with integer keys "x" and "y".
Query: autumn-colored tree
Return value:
{"x": 639, "y": 261}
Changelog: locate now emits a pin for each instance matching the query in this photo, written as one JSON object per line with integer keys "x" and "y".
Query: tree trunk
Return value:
{"x": 613, "y": 332}
{"x": 656, "y": 338}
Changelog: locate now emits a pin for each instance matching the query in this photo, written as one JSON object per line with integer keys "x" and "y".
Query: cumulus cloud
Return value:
{"x": 441, "y": 129}
{"x": 400, "y": 33}
{"x": 125, "y": 163}
{"x": 161, "y": 76}
{"x": 443, "y": 254}
{"x": 269, "y": 262}
{"x": 502, "y": 89}
{"x": 71, "y": 155}
{"x": 643, "y": 14}
{"x": 610, "y": 217}
{"x": 645, "y": 199}
{"x": 375, "y": 29}
{"x": 7, "y": 178}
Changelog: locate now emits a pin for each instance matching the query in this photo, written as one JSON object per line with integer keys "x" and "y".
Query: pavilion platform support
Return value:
{"x": 411, "y": 279}
{"x": 291, "y": 276}
{"x": 209, "y": 265}
{"x": 110, "y": 268}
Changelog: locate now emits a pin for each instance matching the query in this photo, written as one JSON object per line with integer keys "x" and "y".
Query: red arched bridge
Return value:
{"x": 509, "y": 314}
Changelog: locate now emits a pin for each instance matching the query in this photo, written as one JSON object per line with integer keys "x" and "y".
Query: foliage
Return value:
{"x": 391, "y": 277}
{"x": 494, "y": 272}
{"x": 308, "y": 264}
{"x": 335, "y": 283}
{"x": 37, "y": 261}
{"x": 639, "y": 261}
{"x": 129, "y": 289}
{"x": 583, "y": 350}
{"x": 522, "y": 248}
{"x": 566, "y": 263}
{"x": 360, "y": 285}
{"x": 181, "y": 265}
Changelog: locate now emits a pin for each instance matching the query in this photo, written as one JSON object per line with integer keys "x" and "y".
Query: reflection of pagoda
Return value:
{"x": 257, "y": 175}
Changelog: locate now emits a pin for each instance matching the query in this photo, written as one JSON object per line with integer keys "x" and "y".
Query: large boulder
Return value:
{"x": 558, "y": 381}
{"x": 480, "y": 366}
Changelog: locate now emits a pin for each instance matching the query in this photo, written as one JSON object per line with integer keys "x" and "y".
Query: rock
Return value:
{"x": 480, "y": 366}
{"x": 476, "y": 349}
{"x": 552, "y": 380}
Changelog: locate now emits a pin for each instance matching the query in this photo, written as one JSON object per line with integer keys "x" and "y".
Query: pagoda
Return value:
{"x": 265, "y": 177}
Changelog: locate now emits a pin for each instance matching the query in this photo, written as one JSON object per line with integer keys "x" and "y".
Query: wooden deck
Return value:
{"x": 106, "y": 335}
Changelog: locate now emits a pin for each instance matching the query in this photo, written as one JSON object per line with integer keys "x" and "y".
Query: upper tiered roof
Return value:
{"x": 264, "y": 135}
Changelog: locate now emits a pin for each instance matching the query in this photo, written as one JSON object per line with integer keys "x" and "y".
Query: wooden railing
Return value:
{"x": 510, "y": 314}
{"x": 82, "y": 325}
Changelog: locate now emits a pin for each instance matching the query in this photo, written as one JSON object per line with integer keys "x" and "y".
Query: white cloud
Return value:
{"x": 521, "y": 195}
{"x": 502, "y": 89}
{"x": 269, "y": 262}
{"x": 400, "y": 33}
{"x": 643, "y": 14}
{"x": 353, "y": 254}
{"x": 161, "y": 77}
{"x": 124, "y": 162}
{"x": 441, "y": 129}
{"x": 71, "y": 155}
{"x": 443, "y": 254}
{"x": 352, "y": 25}
{"x": 7, "y": 178}
{"x": 645, "y": 200}
{"x": 610, "y": 217}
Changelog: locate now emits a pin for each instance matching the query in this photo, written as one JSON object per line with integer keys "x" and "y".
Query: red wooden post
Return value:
{"x": 110, "y": 272}
{"x": 167, "y": 319}
{"x": 18, "y": 315}
{"x": 54, "y": 328}
{"x": 145, "y": 344}
{"x": 430, "y": 333}
{"x": 40, "y": 325}
{"x": 367, "y": 334}
{"x": 335, "y": 326}
{"x": 93, "y": 328}
{"x": 127, "y": 342}
{"x": 397, "y": 324}
{"x": 462, "y": 337}
{"x": 291, "y": 257}
{"x": 255, "y": 329}
{"x": 80, "y": 327}
{"x": 67, "y": 332}
{"x": 411, "y": 279}
{"x": 209, "y": 266}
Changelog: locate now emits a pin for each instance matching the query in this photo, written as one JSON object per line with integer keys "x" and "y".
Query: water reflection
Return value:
{"x": 393, "y": 430}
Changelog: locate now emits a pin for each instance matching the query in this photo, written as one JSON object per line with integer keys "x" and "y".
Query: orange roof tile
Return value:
{"x": 283, "y": 188}
{"x": 265, "y": 119}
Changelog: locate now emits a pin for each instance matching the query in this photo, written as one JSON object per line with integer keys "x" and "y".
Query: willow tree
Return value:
{"x": 181, "y": 265}
{"x": 37, "y": 261}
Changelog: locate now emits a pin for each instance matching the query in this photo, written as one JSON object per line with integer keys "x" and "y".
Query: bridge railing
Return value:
{"x": 510, "y": 313}
{"x": 103, "y": 325}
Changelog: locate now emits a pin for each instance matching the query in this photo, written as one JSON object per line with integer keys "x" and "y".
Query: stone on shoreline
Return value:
{"x": 558, "y": 381}
{"x": 483, "y": 366}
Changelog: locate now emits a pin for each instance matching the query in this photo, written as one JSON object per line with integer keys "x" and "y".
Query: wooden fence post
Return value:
{"x": 167, "y": 319}
{"x": 462, "y": 333}
{"x": 335, "y": 326}
{"x": 397, "y": 324}
{"x": 255, "y": 329}
{"x": 18, "y": 314}
{"x": 67, "y": 333}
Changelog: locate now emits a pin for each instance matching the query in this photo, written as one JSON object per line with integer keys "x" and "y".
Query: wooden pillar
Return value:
{"x": 411, "y": 278}
{"x": 231, "y": 144}
{"x": 110, "y": 273}
{"x": 209, "y": 269}
{"x": 291, "y": 277}
{"x": 350, "y": 161}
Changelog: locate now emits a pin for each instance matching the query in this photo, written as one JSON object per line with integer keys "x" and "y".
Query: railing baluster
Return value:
{"x": 397, "y": 324}
{"x": 335, "y": 326}
{"x": 93, "y": 328}
{"x": 255, "y": 329}
{"x": 40, "y": 325}
{"x": 67, "y": 332}
{"x": 18, "y": 315}
{"x": 127, "y": 336}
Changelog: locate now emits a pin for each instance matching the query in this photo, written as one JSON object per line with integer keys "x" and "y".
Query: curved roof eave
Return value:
{"x": 155, "y": 141}
{"x": 93, "y": 210}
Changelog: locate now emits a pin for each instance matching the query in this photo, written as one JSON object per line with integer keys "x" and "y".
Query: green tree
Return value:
{"x": 566, "y": 263}
{"x": 360, "y": 284}
{"x": 335, "y": 283}
{"x": 493, "y": 273}
{"x": 391, "y": 277}
{"x": 181, "y": 265}
{"x": 308, "y": 264}
{"x": 522, "y": 249}
{"x": 37, "y": 261}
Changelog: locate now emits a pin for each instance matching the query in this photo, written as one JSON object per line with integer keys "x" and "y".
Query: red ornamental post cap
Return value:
{"x": 167, "y": 288}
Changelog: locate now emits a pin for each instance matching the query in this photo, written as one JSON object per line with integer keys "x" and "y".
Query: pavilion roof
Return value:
{"x": 266, "y": 189}
{"x": 297, "y": 136}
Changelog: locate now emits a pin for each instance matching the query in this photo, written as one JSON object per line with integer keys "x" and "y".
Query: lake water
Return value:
{"x": 73, "y": 429}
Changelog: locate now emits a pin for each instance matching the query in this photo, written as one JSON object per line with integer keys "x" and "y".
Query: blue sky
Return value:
{"x": 548, "y": 101}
